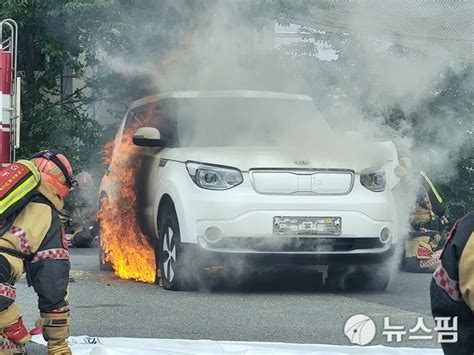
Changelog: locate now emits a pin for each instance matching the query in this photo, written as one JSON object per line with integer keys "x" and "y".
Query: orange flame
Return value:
{"x": 107, "y": 152}
{"x": 129, "y": 251}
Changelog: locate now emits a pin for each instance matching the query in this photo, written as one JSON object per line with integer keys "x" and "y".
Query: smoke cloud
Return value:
{"x": 230, "y": 47}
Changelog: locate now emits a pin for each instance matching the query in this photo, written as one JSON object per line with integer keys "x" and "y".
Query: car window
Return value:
{"x": 228, "y": 122}
{"x": 154, "y": 114}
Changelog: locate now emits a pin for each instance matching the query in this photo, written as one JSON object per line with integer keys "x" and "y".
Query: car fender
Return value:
{"x": 170, "y": 182}
{"x": 391, "y": 162}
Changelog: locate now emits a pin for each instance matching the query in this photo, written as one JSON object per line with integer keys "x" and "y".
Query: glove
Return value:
{"x": 55, "y": 328}
{"x": 443, "y": 220}
{"x": 400, "y": 171}
{"x": 17, "y": 333}
{"x": 424, "y": 250}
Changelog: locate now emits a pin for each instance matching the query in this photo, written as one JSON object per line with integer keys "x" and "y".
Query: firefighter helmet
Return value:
{"x": 84, "y": 180}
{"x": 55, "y": 169}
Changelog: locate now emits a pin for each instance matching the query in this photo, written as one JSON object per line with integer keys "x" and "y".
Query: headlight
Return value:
{"x": 373, "y": 181}
{"x": 214, "y": 177}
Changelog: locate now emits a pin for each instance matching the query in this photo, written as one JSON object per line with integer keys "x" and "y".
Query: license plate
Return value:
{"x": 283, "y": 225}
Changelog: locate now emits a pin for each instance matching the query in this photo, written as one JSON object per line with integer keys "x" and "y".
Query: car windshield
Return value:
{"x": 226, "y": 122}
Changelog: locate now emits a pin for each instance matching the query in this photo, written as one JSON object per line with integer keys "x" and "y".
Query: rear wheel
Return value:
{"x": 104, "y": 265}
{"x": 374, "y": 278}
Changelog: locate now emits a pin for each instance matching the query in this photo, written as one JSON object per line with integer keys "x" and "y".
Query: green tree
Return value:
{"x": 52, "y": 38}
{"x": 63, "y": 42}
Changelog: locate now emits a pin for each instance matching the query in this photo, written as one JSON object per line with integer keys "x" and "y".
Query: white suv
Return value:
{"x": 254, "y": 176}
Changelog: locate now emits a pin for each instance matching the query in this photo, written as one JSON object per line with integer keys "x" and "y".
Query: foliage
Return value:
{"x": 62, "y": 40}
{"x": 52, "y": 39}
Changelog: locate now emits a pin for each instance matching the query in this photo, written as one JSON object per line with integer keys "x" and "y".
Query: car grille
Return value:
{"x": 287, "y": 182}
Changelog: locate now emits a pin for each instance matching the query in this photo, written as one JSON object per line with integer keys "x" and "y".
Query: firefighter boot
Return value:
{"x": 55, "y": 328}
{"x": 17, "y": 333}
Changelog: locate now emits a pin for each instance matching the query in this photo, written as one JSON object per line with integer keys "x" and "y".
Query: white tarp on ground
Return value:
{"x": 84, "y": 345}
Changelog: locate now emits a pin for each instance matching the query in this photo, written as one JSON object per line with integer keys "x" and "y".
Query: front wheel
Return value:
{"x": 359, "y": 278}
{"x": 374, "y": 278}
{"x": 172, "y": 260}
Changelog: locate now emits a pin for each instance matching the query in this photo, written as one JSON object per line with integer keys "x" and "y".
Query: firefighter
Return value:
{"x": 452, "y": 286}
{"x": 80, "y": 222}
{"x": 33, "y": 241}
{"x": 426, "y": 220}
{"x": 429, "y": 210}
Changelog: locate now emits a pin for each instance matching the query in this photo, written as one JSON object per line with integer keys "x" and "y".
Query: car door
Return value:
{"x": 154, "y": 114}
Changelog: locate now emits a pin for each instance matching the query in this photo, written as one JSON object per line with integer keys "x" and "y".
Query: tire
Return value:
{"x": 359, "y": 278}
{"x": 82, "y": 239}
{"x": 172, "y": 259}
{"x": 103, "y": 264}
{"x": 376, "y": 279}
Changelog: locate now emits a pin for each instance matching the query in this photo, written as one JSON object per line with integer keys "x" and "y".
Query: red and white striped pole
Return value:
{"x": 9, "y": 92}
{"x": 6, "y": 105}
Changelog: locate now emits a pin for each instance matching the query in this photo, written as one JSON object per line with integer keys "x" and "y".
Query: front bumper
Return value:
{"x": 239, "y": 222}
{"x": 207, "y": 255}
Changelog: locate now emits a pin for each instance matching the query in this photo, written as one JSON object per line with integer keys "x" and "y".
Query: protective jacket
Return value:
{"x": 429, "y": 205}
{"x": 452, "y": 286}
{"x": 435, "y": 198}
{"x": 33, "y": 240}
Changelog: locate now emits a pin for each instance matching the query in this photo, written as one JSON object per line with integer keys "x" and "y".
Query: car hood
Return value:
{"x": 355, "y": 157}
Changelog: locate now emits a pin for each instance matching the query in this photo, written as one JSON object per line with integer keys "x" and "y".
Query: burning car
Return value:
{"x": 255, "y": 177}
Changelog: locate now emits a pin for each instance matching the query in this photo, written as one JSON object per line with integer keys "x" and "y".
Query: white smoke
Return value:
{"x": 228, "y": 51}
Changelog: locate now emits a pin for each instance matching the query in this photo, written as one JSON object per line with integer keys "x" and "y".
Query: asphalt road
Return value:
{"x": 277, "y": 307}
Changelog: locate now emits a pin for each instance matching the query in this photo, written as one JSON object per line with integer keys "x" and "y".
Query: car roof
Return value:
{"x": 221, "y": 94}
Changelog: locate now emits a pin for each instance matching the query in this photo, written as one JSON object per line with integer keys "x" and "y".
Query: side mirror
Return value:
{"x": 149, "y": 137}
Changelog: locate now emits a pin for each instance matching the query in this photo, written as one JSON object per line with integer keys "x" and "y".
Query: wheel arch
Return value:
{"x": 166, "y": 203}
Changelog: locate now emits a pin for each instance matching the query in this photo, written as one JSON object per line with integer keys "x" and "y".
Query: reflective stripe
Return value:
{"x": 10, "y": 345}
{"x": 4, "y": 127}
{"x": 449, "y": 285}
{"x": 20, "y": 192}
{"x": 7, "y": 291}
{"x": 31, "y": 167}
{"x": 21, "y": 235}
{"x": 56, "y": 254}
{"x": 438, "y": 196}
